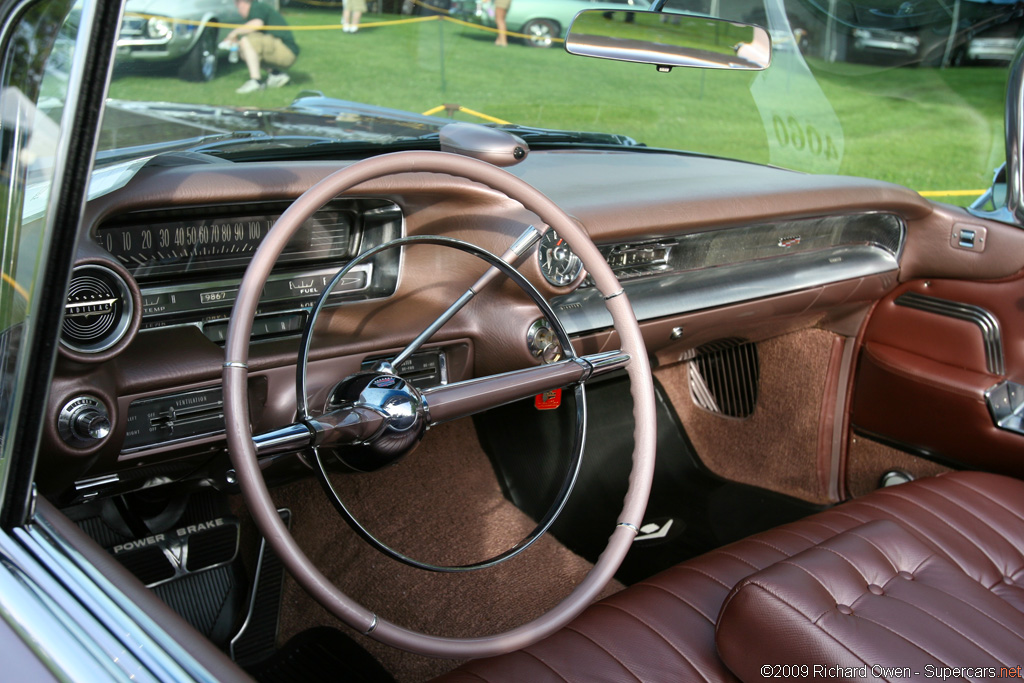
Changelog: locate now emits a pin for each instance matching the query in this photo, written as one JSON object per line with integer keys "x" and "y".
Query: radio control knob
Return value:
{"x": 84, "y": 421}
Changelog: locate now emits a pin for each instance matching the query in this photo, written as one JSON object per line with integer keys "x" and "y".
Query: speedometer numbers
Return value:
{"x": 558, "y": 263}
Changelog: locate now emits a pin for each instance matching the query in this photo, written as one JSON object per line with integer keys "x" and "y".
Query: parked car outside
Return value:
{"x": 542, "y": 21}
{"x": 919, "y": 32}
{"x": 176, "y": 32}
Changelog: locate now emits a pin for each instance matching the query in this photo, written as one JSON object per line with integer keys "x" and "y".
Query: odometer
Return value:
{"x": 195, "y": 242}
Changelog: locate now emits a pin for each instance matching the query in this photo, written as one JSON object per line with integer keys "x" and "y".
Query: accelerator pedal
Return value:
{"x": 257, "y": 638}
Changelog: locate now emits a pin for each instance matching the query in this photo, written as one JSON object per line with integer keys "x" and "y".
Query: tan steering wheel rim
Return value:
{"x": 243, "y": 453}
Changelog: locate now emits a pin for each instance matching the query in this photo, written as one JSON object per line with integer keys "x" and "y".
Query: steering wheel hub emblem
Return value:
{"x": 398, "y": 402}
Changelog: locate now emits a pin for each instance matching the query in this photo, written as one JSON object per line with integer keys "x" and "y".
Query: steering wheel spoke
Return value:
{"x": 347, "y": 425}
{"x": 462, "y": 399}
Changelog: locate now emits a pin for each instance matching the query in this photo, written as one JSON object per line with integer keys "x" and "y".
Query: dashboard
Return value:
{"x": 188, "y": 263}
{"x": 706, "y": 249}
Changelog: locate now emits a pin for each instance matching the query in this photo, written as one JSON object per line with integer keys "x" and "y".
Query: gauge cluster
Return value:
{"x": 189, "y": 262}
{"x": 210, "y": 239}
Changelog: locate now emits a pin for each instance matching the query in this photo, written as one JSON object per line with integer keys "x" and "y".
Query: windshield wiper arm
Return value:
{"x": 543, "y": 135}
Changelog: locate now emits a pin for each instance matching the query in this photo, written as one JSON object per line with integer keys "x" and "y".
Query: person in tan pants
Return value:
{"x": 353, "y": 10}
{"x": 500, "y": 12}
{"x": 257, "y": 46}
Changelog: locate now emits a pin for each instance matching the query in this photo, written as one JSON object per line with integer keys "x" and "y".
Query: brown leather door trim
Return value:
{"x": 983, "y": 318}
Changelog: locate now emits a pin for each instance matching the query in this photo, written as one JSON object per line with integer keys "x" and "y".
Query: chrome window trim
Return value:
{"x": 26, "y": 610}
{"x": 69, "y": 588}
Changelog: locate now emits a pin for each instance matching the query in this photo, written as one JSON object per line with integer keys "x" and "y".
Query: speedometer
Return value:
{"x": 222, "y": 239}
{"x": 557, "y": 261}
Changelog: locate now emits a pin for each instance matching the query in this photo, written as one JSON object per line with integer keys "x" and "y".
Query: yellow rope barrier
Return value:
{"x": 952, "y": 193}
{"x": 314, "y": 3}
{"x": 335, "y": 27}
{"x": 316, "y": 27}
{"x": 481, "y": 27}
{"x": 14, "y": 285}
{"x": 452, "y": 108}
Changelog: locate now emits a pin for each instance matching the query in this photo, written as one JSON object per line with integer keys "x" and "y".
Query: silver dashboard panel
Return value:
{"x": 766, "y": 260}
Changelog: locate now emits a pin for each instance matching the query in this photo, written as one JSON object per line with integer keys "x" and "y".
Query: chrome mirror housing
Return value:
{"x": 669, "y": 40}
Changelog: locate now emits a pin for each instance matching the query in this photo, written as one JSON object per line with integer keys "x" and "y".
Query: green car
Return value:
{"x": 540, "y": 22}
{"x": 180, "y": 33}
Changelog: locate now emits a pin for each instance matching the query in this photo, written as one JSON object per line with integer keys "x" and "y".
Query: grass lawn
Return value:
{"x": 928, "y": 129}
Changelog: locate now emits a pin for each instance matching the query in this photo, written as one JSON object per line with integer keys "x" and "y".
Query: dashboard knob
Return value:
{"x": 84, "y": 421}
{"x": 91, "y": 424}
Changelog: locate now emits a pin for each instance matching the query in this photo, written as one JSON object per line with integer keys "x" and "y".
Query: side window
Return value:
{"x": 34, "y": 80}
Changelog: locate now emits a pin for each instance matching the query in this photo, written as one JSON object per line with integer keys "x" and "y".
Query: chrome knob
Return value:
{"x": 91, "y": 424}
{"x": 543, "y": 342}
{"x": 84, "y": 421}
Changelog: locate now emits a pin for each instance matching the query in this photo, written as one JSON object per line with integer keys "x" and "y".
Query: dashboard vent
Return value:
{"x": 98, "y": 311}
{"x": 724, "y": 377}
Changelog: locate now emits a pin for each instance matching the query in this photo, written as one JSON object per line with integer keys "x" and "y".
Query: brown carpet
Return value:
{"x": 441, "y": 504}
{"x": 775, "y": 448}
{"x": 868, "y": 460}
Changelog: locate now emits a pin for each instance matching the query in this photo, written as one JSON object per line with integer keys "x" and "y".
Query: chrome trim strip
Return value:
{"x": 1014, "y": 131}
{"x": 661, "y": 296}
{"x": 288, "y": 439}
{"x": 159, "y": 657}
{"x": 988, "y": 324}
{"x": 96, "y": 482}
{"x": 33, "y": 615}
{"x": 631, "y": 527}
{"x": 236, "y": 282}
{"x": 236, "y": 364}
{"x": 526, "y": 241}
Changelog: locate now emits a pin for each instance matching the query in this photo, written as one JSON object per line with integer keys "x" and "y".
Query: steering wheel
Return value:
{"x": 369, "y": 417}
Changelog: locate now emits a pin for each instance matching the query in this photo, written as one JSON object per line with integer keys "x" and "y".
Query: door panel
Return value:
{"x": 930, "y": 351}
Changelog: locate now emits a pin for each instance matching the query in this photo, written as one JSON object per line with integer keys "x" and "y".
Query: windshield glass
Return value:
{"x": 909, "y": 92}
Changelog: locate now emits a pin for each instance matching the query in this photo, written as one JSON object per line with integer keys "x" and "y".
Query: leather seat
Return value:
{"x": 960, "y": 537}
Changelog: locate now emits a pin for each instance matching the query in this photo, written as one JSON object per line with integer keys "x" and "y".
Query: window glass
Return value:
{"x": 908, "y": 91}
{"x": 33, "y": 88}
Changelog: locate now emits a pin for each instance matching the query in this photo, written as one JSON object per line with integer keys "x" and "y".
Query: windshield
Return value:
{"x": 908, "y": 92}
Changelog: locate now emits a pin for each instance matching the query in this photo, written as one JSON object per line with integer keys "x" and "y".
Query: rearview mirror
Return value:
{"x": 669, "y": 40}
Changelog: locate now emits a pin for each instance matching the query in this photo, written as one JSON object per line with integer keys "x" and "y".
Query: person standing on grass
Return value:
{"x": 500, "y": 12}
{"x": 258, "y": 45}
{"x": 351, "y": 12}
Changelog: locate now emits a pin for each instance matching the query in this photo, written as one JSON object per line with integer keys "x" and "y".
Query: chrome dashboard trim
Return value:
{"x": 661, "y": 296}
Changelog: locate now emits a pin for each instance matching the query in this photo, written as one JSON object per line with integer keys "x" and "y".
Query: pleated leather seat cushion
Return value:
{"x": 663, "y": 629}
